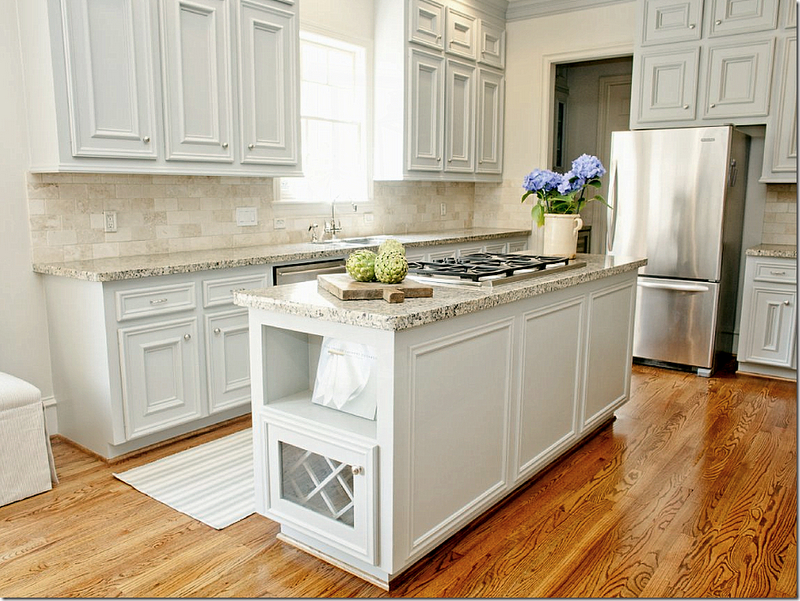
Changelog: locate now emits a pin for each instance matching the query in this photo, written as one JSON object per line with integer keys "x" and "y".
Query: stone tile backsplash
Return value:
{"x": 167, "y": 213}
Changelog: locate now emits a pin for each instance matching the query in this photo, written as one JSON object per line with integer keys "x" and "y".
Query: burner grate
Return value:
{"x": 481, "y": 266}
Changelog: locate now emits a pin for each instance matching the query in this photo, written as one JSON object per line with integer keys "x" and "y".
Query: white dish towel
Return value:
{"x": 346, "y": 377}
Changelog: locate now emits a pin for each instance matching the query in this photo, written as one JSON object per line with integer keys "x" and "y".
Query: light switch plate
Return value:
{"x": 246, "y": 216}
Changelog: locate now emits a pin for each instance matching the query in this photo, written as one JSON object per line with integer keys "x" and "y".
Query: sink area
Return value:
{"x": 348, "y": 242}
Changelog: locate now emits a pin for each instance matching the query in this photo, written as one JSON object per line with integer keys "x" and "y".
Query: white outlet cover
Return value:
{"x": 246, "y": 216}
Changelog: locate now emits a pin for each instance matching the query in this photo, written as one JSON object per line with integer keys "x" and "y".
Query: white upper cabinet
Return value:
{"x": 269, "y": 97}
{"x": 667, "y": 85}
{"x": 738, "y": 77}
{"x": 110, "y": 78}
{"x": 491, "y": 44}
{"x": 780, "y": 144}
{"x": 742, "y": 16}
{"x": 207, "y": 87}
{"x": 461, "y": 33}
{"x": 665, "y": 21}
{"x": 197, "y": 81}
{"x": 459, "y": 117}
{"x": 427, "y": 23}
{"x": 489, "y": 142}
{"x": 426, "y": 102}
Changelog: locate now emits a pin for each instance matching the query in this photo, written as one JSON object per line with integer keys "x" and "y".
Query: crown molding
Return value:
{"x": 531, "y": 9}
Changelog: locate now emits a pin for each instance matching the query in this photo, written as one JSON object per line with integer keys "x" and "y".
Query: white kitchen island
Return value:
{"x": 477, "y": 390}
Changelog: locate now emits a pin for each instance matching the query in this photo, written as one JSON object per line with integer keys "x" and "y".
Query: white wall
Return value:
{"x": 24, "y": 349}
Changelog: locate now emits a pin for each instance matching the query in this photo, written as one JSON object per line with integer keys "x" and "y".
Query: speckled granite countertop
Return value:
{"x": 304, "y": 299}
{"x": 142, "y": 266}
{"x": 778, "y": 251}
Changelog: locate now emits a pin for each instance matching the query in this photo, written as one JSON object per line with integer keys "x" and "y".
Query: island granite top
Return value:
{"x": 142, "y": 266}
{"x": 777, "y": 251}
{"x": 305, "y": 300}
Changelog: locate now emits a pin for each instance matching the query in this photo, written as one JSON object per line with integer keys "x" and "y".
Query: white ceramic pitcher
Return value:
{"x": 561, "y": 234}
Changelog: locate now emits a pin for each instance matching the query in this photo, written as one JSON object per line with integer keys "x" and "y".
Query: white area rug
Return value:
{"x": 212, "y": 482}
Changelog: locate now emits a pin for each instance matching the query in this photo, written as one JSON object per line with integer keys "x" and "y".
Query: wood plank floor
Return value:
{"x": 691, "y": 492}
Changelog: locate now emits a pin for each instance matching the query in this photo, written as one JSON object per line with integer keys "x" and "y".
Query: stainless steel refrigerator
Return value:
{"x": 677, "y": 197}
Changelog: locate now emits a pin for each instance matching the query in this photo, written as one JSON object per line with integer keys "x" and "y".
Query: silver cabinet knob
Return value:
{"x": 449, "y": 160}
{"x": 480, "y": 162}
{"x": 146, "y": 139}
{"x": 217, "y": 331}
{"x": 786, "y": 302}
{"x": 438, "y": 159}
{"x": 685, "y": 106}
{"x": 718, "y": 22}
{"x": 357, "y": 470}
{"x": 224, "y": 144}
{"x": 187, "y": 336}
{"x": 691, "y": 26}
{"x": 712, "y": 105}
{"x": 251, "y": 146}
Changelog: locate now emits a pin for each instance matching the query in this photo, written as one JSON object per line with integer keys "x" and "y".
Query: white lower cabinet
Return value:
{"x": 768, "y": 334}
{"x": 227, "y": 357}
{"x": 160, "y": 380}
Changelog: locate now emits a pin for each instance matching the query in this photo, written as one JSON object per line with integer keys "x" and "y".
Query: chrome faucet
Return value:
{"x": 333, "y": 226}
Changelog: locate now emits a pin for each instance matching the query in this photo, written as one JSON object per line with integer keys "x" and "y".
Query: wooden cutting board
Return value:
{"x": 342, "y": 286}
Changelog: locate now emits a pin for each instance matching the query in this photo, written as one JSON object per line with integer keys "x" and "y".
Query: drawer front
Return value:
{"x": 220, "y": 291}
{"x": 776, "y": 271}
{"x": 144, "y": 302}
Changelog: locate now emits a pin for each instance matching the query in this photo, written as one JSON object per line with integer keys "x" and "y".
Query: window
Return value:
{"x": 333, "y": 121}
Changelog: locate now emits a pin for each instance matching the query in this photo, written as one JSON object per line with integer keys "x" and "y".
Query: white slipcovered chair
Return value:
{"x": 26, "y": 459}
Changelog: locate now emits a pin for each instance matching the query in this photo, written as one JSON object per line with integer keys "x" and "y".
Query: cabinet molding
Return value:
{"x": 738, "y": 77}
{"x": 669, "y": 21}
{"x": 742, "y": 16}
{"x": 667, "y": 85}
{"x": 427, "y": 23}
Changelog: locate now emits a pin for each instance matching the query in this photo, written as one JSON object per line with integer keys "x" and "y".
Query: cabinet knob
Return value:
{"x": 357, "y": 470}
{"x": 158, "y": 301}
{"x": 146, "y": 139}
{"x": 438, "y": 159}
{"x": 712, "y": 105}
{"x": 449, "y": 160}
{"x": 773, "y": 272}
{"x": 187, "y": 336}
{"x": 480, "y": 162}
{"x": 224, "y": 144}
{"x": 786, "y": 302}
{"x": 685, "y": 106}
{"x": 251, "y": 146}
{"x": 691, "y": 26}
{"x": 217, "y": 331}
{"x": 439, "y": 37}
{"x": 718, "y": 22}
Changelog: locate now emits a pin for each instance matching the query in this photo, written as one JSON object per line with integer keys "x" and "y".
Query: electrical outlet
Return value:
{"x": 369, "y": 217}
{"x": 246, "y": 216}
{"x": 443, "y": 209}
{"x": 279, "y": 223}
{"x": 110, "y": 221}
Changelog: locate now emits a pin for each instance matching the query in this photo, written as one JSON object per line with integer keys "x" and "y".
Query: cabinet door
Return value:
{"x": 110, "y": 78}
{"x": 326, "y": 488}
{"x": 269, "y": 98}
{"x": 772, "y": 326}
{"x": 738, "y": 78}
{"x": 159, "y": 372}
{"x": 780, "y": 145}
{"x": 196, "y": 57}
{"x": 491, "y": 44}
{"x": 742, "y": 16}
{"x": 667, "y": 84}
{"x": 459, "y": 126}
{"x": 426, "y": 104}
{"x": 227, "y": 360}
{"x": 669, "y": 21}
{"x": 489, "y": 129}
{"x": 427, "y": 23}
{"x": 461, "y": 34}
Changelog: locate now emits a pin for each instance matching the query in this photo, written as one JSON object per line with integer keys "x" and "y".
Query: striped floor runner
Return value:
{"x": 212, "y": 482}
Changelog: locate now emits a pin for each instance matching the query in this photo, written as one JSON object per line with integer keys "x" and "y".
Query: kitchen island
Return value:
{"x": 476, "y": 390}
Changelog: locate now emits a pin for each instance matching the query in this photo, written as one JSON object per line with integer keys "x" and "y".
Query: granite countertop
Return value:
{"x": 304, "y": 299}
{"x": 141, "y": 266}
{"x": 778, "y": 251}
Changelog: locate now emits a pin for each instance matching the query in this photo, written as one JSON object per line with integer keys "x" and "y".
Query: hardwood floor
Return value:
{"x": 691, "y": 492}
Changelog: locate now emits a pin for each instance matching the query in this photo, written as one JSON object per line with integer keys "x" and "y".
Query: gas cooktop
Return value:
{"x": 488, "y": 269}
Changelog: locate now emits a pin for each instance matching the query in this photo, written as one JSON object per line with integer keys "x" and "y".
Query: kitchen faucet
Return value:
{"x": 333, "y": 227}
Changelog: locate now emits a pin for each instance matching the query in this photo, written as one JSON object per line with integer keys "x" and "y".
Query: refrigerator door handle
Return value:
{"x": 612, "y": 187}
{"x": 677, "y": 287}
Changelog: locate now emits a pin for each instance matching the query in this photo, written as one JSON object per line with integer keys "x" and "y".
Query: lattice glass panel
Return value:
{"x": 318, "y": 483}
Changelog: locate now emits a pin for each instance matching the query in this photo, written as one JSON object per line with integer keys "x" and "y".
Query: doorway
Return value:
{"x": 591, "y": 100}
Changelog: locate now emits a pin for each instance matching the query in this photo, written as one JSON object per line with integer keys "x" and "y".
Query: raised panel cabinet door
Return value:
{"x": 426, "y": 104}
{"x": 111, "y": 78}
{"x": 427, "y": 23}
{"x": 196, "y": 58}
{"x": 461, "y": 34}
{"x": 738, "y": 80}
{"x": 269, "y": 77}
{"x": 742, "y": 16}
{"x": 669, "y": 21}
{"x": 667, "y": 85}
{"x": 160, "y": 376}
{"x": 791, "y": 15}
{"x": 489, "y": 125}
{"x": 227, "y": 360}
{"x": 772, "y": 326}
{"x": 459, "y": 124}
{"x": 491, "y": 44}
{"x": 780, "y": 151}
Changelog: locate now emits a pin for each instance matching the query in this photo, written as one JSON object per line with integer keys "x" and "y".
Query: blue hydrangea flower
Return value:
{"x": 587, "y": 167}
{"x": 542, "y": 180}
{"x": 570, "y": 183}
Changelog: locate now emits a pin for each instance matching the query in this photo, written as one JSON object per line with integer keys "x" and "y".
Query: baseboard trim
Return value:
{"x": 49, "y": 404}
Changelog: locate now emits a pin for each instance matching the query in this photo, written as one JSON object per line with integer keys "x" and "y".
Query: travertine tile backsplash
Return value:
{"x": 161, "y": 213}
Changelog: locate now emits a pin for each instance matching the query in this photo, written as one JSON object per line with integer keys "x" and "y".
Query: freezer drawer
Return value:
{"x": 676, "y": 321}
